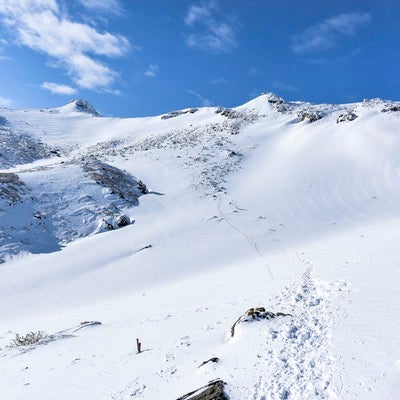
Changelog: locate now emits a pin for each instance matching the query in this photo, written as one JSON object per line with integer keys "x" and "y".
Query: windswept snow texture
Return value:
{"x": 289, "y": 206}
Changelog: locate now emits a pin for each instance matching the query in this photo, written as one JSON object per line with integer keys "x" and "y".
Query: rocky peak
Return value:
{"x": 84, "y": 106}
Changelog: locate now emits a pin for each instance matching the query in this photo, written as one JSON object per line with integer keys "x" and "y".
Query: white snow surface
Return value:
{"x": 246, "y": 207}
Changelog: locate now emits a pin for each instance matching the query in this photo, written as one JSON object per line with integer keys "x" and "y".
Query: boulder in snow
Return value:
{"x": 311, "y": 116}
{"x": 273, "y": 98}
{"x": 391, "y": 108}
{"x": 348, "y": 116}
{"x": 256, "y": 314}
{"x": 214, "y": 390}
{"x": 122, "y": 220}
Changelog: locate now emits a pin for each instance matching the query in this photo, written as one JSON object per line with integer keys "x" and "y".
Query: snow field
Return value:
{"x": 261, "y": 210}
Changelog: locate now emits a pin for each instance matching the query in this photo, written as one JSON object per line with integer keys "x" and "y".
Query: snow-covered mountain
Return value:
{"x": 204, "y": 216}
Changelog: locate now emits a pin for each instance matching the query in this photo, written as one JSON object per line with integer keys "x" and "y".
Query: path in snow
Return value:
{"x": 292, "y": 358}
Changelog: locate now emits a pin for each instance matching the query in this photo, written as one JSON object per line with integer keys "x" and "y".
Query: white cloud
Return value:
{"x": 152, "y": 70}
{"x": 214, "y": 32}
{"x": 73, "y": 46}
{"x": 58, "y": 88}
{"x": 14, "y": 8}
{"x": 204, "y": 102}
{"x": 199, "y": 13}
{"x": 4, "y": 102}
{"x": 102, "y": 6}
{"x": 283, "y": 86}
{"x": 325, "y": 34}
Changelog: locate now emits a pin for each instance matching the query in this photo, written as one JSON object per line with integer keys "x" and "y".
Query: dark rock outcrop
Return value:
{"x": 348, "y": 116}
{"x": 11, "y": 188}
{"x": 257, "y": 314}
{"x": 84, "y": 106}
{"x": 391, "y": 108}
{"x": 173, "y": 114}
{"x": 214, "y": 390}
{"x": 311, "y": 116}
{"x": 116, "y": 180}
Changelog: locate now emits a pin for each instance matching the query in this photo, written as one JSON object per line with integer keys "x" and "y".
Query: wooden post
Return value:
{"x": 138, "y": 345}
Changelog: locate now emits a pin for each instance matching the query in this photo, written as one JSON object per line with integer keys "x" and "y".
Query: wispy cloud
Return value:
{"x": 103, "y": 6}
{"x": 327, "y": 33}
{"x": 213, "y": 31}
{"x": 204, "y": 102}
{"x": 253, "y": 71}
{"x": 4, "y": 102}
{"x": 279, "y": 85}
{"x": 3, "y": 42}
{"x": 58, "y": 88}
{"x": 152, "y": 71}
{"x": 75, "y": 47}
{"x": 218, "y": 81}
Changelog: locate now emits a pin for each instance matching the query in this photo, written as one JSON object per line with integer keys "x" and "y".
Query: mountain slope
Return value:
{"x": 290, "y": 206}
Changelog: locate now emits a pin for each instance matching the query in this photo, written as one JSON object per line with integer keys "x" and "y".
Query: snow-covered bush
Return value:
{"x": 29, "y": 339}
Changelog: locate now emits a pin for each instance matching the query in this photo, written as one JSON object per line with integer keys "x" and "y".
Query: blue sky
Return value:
{"x": 137, "y": 57}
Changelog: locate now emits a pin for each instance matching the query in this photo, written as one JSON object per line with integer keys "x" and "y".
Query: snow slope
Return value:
{"x": 272, "y": 204}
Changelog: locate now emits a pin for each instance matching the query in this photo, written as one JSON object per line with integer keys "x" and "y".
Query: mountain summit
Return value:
{"x": 81, "y": 105}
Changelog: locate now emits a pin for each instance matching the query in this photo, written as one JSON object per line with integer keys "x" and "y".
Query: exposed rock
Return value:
{"x": 11, "y": 188}
{"x": 273, "y": 98}
{"x": 117, "y": 181}
{"x": 89, "y": 323}
{"x": 214, "y": 390}
{"x": 142, "y": 187}
{"x": 311, "y": 116}
{"x": 348, "y": 116}
{"x": 211, "y": 360}
{"x": 231, "y": 114}
{"x": 282, "y": 107}
{"x": 84, "y": 106}
{"x": 392, "y": 107}
{"x": 122, "y": 220}
{"x": 256, "y": 314}
{"x": 174, "y": 114}
{"x": 17, "y": 147}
